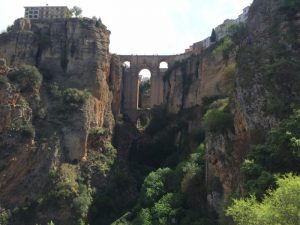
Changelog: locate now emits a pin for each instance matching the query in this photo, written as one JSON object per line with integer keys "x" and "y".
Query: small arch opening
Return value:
{"x": 163, "y": 66}
{"x": 126, "y": 65}
{"x": 144, "y": 93}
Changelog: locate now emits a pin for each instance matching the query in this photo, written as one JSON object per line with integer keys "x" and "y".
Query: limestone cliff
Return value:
{"x": 198, "y": 76}
{"x": 69, "y": 118}
{"x": 260, "y": 75}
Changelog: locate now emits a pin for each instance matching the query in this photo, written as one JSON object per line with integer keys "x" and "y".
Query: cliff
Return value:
{"x": 258, "y": 72}
{"x": 57, "y": 112}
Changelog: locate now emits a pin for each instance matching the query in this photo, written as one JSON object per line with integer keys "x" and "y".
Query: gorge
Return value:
{"x": 75, "y": 148}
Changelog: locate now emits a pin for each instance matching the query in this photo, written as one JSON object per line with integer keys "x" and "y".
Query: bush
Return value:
{"x": 154, "y": 186}
{"x": 280, "y": 206}
{"x": 257, "y": 180}
{"x": 144, "y": 217}
{"x": 216, "y": 120}
{"x": 27, "y": 78}
{"x": 81, "y": 203}
{"x": 167, "y": 209}
{"x": 4, "y": 216}
{"x": 75, "y": 98}
{"x": 224, "y": 47}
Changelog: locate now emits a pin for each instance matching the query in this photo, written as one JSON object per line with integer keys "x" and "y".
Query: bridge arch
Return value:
{"x": 157, "y": 65}
{"x": 163, "y": 66}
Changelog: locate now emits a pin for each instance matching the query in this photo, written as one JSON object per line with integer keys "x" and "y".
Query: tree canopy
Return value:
{"x": 280, "y": 206}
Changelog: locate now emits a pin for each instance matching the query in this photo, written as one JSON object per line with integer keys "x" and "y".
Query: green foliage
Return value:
{"x": 238, "y": 32}
{"x": 9, "y": 28}
{"x": 4, "y": 216}
{"x": 208, "y": 100}
{"x": 76, "y": 11}
{"x": 216, "y": 119}
{"x": 174, "y": 196}
{"x": 144, "y": 217}
{"x": 27, "y": 78}
{"x": 167, "y": 209}
{"x": 224, "y": 47}
{"x": 257, "y": 180}
{"x": 154, "y": 186}
{"x": 279, "y": 154}
{"x": 55, "y": 90}
{"x": 102, "y": 158}
{"x": 290, "y": 7}
{"x": 213, "y": 36}
{"x": 75, "y": 98}
{"x": 280, "y": 206}
{"x": 82, "y": 202}
{"x": 229, "y": 78}
{"x": 145, "y": 88}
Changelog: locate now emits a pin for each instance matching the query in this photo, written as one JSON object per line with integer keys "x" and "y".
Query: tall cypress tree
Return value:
{"x": 213, "y": 36}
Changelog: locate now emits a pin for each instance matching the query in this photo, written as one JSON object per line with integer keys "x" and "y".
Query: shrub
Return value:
{"x": 257, "y": 180}
{"x": 216, "y": 120}
{"x": 4, "y": 216}
{"x": 280, "y": 206}
{"x": 81, "y": 203}
{"x": 27, "y": 78}
{"x": 167, "y": 209}
{"x": 154, "y": 186}
{"x": 224, "y": 47}
{"x": 144, "y": 217}
{"x": 55, "y": 90}
{"x": 75, "y": 98}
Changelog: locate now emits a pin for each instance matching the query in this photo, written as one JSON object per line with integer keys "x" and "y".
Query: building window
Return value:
{"x": 30, "y": 16}
{"x": 36, "y": 12}
{"x": 35, "y": 16}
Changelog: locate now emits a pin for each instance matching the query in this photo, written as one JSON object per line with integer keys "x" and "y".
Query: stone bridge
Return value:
{"x": 135, "y": 63}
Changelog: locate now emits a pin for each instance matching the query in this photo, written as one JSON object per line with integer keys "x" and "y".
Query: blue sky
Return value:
{"x": 144, "y": 26}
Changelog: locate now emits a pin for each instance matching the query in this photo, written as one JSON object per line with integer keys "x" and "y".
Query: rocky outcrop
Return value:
{"x": 71, "y": 53}
{"x": 198, "y": 76}
{"x": 261, "y": 88}
{"x": 44, "y": 128}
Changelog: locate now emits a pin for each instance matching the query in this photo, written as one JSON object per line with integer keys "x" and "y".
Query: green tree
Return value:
{"x": 154, "y": 186}
{"x": 167, "y": 209}
{"x": 280, "y": 206}
{"x": 26, "y": 77}
{"x": 213, "y": 36}
{"x": 76, "y": 11}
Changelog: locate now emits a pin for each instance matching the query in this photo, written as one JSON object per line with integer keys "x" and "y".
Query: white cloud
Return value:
{"x": 143, "y": 26}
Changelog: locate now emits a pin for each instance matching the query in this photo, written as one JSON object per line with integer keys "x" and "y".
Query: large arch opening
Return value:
{"x": 163, "y": 66}
{"x": 144, "y": 89}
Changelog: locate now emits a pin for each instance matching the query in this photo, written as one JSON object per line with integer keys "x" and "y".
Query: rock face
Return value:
{"x": 81, "y": 92}
{"x": 191, "y": 79}
{"x": 263, "y": 85}
{"x": 72, "y": 53}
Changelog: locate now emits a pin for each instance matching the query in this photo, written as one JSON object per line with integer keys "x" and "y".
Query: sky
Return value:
{"x": 144, "y": 26}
